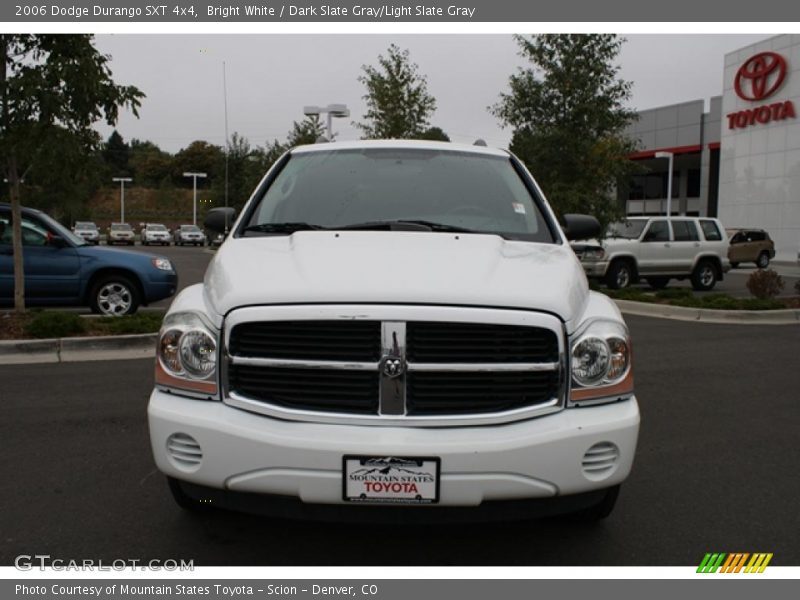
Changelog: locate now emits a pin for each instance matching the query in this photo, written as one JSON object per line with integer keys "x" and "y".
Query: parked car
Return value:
{"x": 750, "y": 245}
{"x": 120, "y": 233}
{"x": 658, "y": 249}
{"x": 155, "y": 233}
{"x": 62, "y": 269}
{"x": 189, "y": 234}
{"x": 397, "y": 326}
{"x": 215, "y": 239}
{"x": 88, "y": 231}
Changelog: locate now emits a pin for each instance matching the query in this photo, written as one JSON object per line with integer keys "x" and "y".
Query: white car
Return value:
{"x": 88, "y": 231}
{"x": 189, "y": 234}
{"x": 658, "y": 249}
{"x": 155, "y": 233}
{"x": 120, "y": 233}
{"x": 395, "y": 326}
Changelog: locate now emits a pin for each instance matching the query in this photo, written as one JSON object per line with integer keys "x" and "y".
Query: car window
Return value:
{"x": 658, "y": 232}
{"x": 738, "y": 238}
{"x": 710, "y": 230}
{"x": 684, "y": 231}
{"x": 33, "y": 233}
{"x": 757, "y": 236}
{"x": 339, "y": 188}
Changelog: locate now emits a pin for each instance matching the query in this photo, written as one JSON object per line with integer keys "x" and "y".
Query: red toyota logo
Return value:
{"x": 760, "y": 76}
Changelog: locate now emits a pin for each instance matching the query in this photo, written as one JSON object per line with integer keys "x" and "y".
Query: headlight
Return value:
{"x": 601, "y": 361}
{"x": 162, "y": 263}
{"x": 187, "y": 354}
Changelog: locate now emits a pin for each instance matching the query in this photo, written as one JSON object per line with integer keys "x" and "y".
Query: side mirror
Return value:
{"x": 56, "y": 241}
{"x": 220, "y": 219}
{"x": 580, "y": 227}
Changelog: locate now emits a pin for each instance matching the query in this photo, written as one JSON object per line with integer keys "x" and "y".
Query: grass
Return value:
{"x": 40, "y": 324}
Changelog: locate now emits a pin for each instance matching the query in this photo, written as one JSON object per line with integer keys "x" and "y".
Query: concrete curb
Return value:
{"x": 789, "y": 316}
{"x": 123, "y": 347}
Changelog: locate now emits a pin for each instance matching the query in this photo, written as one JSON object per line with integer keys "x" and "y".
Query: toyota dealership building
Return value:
{"x": 740, "y": 159}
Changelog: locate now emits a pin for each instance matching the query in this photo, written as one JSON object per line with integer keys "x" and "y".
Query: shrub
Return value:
{"x": 55, "y": 325}
{"x": 143, "y": 322}
{"x": 765, "y": 283}
{"x": 759, "y": 304}
{"x": 719, "y": 302}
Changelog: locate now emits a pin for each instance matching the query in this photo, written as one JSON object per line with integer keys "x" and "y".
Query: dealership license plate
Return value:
{"x": 391, "y": 479}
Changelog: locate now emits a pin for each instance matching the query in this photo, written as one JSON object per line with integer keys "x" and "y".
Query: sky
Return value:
{"x": 270, "y": 78}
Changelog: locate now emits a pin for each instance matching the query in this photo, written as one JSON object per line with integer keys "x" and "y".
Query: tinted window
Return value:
{"x": 658, "y": 232}
{"x": 685, "y": 231}
{"x": 338, "y": 188}
{"x": 627, "y": 229}
{"x": 711, "y": 231}
{"x": 757, "y": 236}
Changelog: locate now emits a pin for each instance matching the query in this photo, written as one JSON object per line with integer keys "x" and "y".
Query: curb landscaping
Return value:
{"x": 124, "y": 347}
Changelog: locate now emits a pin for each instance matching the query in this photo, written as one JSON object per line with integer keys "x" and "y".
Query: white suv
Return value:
{"x": 155, "y": 233}
{"x": 395, "y": 327}
{"x": 658, "y": 249}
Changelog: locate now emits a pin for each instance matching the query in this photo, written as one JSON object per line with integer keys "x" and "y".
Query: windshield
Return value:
{"x": 627, "y": 229}
{"x": 120, "y": 227}
{"x": 341, "y": 188}
{"x": 84, "y": 225}
{"x": 157, "y": 227}
{"x": 58, "y": 229}
{"x": 190, "y": 228}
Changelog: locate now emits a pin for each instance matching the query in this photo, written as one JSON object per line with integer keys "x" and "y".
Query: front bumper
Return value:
{"x": 537, "y": 458}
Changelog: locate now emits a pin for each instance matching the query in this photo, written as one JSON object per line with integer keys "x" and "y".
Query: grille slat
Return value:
{"x": 429, "y": 391}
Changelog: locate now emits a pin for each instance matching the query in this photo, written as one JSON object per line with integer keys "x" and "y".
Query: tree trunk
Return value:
{"x": 16, "y": 227}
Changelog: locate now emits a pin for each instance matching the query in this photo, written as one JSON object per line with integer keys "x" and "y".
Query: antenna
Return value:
{"x": 227, "y": 141}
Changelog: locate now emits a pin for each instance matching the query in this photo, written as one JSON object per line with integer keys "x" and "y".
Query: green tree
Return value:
{"x": 307, "y": 131}
{"x": 398, "y": 103}
{"x": 50, "y": 81}
{"x": 435, "y": 134}
{"x": 116, "y": 154}
{"x": 199, "y": 156}
{"x": 149, "y": 165}
{"x": 569, "y": 118}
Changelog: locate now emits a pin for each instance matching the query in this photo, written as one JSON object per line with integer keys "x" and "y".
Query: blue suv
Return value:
{"x": 61, "y": 269}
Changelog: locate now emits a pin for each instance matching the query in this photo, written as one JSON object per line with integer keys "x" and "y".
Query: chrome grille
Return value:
{"x": 394, "y": 372}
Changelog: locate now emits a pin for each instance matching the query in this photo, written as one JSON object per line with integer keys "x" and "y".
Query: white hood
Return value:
{"x": 396, "y": 267}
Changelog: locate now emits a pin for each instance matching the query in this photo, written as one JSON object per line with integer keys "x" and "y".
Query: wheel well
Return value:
{"x": 628, "y": 259}
{"x": 101, "y": 273}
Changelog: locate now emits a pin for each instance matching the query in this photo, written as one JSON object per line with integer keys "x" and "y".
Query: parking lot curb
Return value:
{"x": 122, "y": 347}
{"x": 788, "y": 316}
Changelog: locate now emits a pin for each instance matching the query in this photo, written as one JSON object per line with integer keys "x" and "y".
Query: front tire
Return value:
{"x": 763, "y": 260}
{"x": 114, "y": 296}
{"x": 704, "y": 277}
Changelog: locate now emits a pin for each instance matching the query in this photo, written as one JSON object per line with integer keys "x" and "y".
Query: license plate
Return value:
{"x": 391, "y": 479}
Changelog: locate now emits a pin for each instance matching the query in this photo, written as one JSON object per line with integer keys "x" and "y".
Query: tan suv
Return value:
{"x": 750, "y": 245}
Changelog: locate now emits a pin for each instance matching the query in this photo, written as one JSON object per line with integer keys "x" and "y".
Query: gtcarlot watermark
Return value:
{"x": 29, "y": 562}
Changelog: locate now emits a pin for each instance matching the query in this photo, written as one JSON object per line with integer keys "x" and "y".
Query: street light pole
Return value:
{"x": 332, "y": 110}
{"x": 194, "y": 177}
{"x": 122, "y": 181}
{"x": 671, "y": 157}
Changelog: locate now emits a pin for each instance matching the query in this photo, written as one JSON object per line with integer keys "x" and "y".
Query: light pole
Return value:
{"x": 122, "y": 181}
{"x": 671, "y": 158}
{"x": 332, "y": 110}
{"x": 194, "y": 177}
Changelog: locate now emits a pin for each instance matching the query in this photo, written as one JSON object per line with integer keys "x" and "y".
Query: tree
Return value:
{"x": 49, "y": 82}
{"x": 149, "y": 165}
{"x": 307, "y": 131}
{"x": 198, "y": 156}
{"x": 116, "y": 154}
{"x": 569, "y": 119}
{"x": 435, "y": 134}
{"x": 398, "y": 103}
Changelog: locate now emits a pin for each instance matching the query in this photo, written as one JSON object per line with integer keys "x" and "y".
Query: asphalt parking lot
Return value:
{"x": 716, "y": 470}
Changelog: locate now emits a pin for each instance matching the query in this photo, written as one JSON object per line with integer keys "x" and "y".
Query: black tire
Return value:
{"x": 620, "y": 275}
{"x": 601, "y": 510}
{"x": 114, "y": 295}
{"x": 704, "y": 276}
{"x": 183, "y": 500}
{"x": 734, "y": 265}
{"x": 763, "y": 260}
{"x": 658, "y": 283}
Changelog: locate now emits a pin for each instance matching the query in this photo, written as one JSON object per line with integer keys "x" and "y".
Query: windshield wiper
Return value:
{"x": 407, "y": 225}
{"x": 282, "y": 227}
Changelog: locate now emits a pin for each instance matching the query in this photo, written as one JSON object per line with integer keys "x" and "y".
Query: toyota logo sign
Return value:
{"x": 760, "y": 76}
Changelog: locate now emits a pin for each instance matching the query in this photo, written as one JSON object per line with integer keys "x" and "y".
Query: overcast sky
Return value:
{"x": 271, "y": 77}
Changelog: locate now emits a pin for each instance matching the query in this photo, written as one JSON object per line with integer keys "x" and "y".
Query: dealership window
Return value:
{"x": 693, "y": 183}
{"x": 653, "y": 186}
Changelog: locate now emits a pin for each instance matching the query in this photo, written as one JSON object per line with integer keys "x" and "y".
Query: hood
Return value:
{"x": 396, "y": 267}
{"x": 117, "y": 255}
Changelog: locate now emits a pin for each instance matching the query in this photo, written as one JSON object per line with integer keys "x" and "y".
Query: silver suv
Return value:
{"x": 658, "y": 249}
